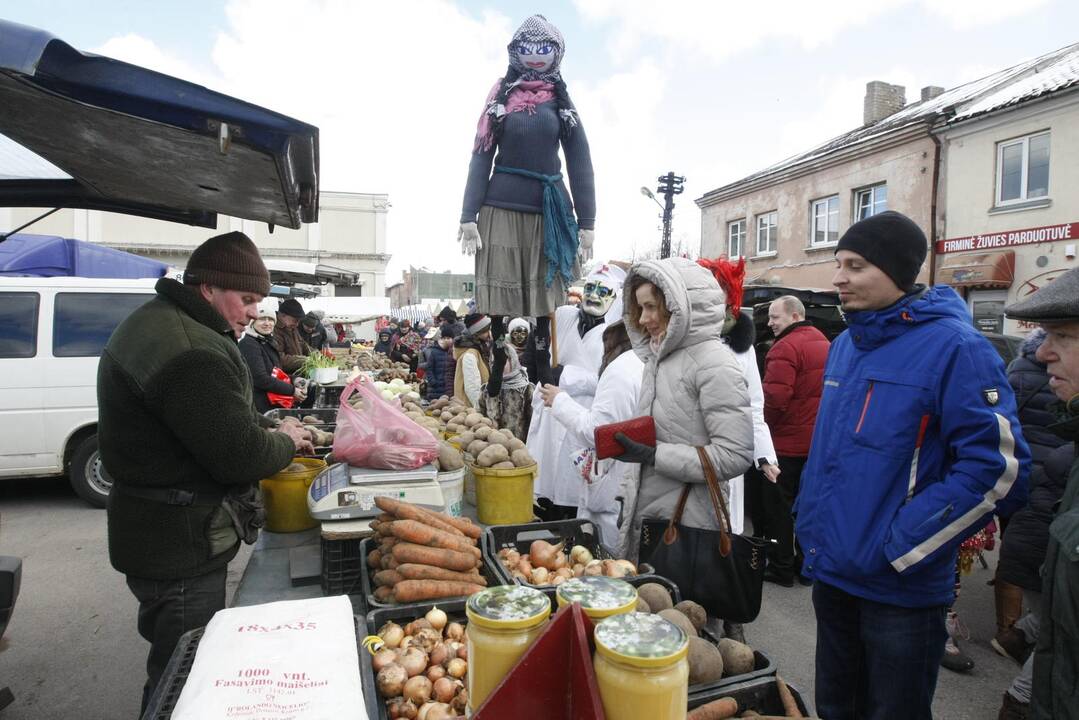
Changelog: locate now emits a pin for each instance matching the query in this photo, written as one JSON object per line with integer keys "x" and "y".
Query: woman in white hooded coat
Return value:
{"x": 694, "y": 389}
{"x": 615, "y": 400}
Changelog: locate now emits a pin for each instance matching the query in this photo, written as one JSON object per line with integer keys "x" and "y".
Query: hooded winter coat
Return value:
{"x": 694, "y": 388}
{"x": 1028, "y": 378}
{"x": 916, "y": 445}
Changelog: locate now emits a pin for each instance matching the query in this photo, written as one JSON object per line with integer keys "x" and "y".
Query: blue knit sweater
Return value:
{"x": 530, "y": 142}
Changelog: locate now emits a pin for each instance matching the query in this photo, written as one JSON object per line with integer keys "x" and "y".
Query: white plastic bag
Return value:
{"x": 294, "y": 660}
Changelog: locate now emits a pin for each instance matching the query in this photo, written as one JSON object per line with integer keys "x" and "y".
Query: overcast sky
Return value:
{"x": 712, "y": 90}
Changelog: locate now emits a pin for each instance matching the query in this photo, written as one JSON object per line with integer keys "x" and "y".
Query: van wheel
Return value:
{"x": 87, "y": 474}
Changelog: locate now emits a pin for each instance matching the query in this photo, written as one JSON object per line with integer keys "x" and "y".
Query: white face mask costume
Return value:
{"x": 538, "y": 57}
{"x": 598, "y": 296}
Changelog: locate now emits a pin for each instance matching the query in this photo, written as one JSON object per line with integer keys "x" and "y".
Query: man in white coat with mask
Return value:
{"x": 615, "y": 400}
{"x": 579, "y": 332}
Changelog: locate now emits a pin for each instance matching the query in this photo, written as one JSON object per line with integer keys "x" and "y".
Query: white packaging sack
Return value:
{"x": 293, "y": 660}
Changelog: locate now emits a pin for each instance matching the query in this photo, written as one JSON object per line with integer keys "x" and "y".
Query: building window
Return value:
{"x": 766, "y": 233}
{"x": 824, "y": 219}
{"x": 18, "y": 325}
{"x": 1023, "y": 169}
{"x": 83, "y": 322}
{"x": 736, "y": 238}
{"x": 870, "y": 201}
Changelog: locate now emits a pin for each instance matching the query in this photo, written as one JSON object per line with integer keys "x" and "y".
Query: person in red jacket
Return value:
{"x": 793, "y": 381}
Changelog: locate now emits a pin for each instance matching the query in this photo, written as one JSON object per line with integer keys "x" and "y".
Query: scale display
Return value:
{"x": 342, "y": 492}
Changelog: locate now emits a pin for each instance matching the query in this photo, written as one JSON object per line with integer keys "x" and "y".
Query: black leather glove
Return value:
{"x": 635, "y": 451}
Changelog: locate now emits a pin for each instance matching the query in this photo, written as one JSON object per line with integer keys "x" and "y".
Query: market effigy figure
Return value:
{"x": 518, "y": 220}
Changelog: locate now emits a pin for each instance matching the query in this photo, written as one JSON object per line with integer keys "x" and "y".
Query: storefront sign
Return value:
{"x": 1011, "y": 238}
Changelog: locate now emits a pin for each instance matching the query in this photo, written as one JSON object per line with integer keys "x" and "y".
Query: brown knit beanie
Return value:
{"x": 230, "y": 261}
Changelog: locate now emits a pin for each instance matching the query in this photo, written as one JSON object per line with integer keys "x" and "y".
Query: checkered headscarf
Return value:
{"x": 537, "y": 29}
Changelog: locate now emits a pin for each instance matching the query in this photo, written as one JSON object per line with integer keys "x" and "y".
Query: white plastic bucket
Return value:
{"x": 470, "y": 485}
{"x": 452, "y": 484}
{"x": 324, "y": 376}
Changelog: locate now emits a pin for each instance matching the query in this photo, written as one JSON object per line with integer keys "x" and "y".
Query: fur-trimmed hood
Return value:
{"x": 742, "y": 335}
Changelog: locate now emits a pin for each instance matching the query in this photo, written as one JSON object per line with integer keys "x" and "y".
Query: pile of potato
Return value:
{"x": 707, "y": 662}
{"x": 422, "y": 668}
{"x": 546, "y": 564}
{"x": 484, "y": 443}
{"x": 310, "y": 423}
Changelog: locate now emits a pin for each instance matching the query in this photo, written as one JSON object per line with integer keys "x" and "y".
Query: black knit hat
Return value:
{"x": 310, "y": 320}
{"x": 292, "y": 308}
{"x": 446, "y": 331}
{"x": 447, "y": 314}
{"x": 230, "y": 261}
{"x": 892, "y": 242}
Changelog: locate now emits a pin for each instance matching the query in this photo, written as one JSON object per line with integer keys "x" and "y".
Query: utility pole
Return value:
{"x": 669, "y": 185}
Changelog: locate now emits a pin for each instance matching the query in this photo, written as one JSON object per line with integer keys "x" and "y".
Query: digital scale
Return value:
{"x": 344, "y": 492}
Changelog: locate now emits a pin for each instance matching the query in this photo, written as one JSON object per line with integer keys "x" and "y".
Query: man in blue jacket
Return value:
{"x": 916, "y": 444}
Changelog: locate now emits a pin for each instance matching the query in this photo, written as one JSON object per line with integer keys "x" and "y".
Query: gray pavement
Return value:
{"x": 72, "y": 651}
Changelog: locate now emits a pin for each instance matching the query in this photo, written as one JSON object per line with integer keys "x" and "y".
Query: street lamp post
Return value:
{"x": 669, "y": 185}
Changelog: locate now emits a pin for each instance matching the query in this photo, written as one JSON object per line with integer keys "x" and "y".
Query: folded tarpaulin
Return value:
{"x": 24, "y": 254}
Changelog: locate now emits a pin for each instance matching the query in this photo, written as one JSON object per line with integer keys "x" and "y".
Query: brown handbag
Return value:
{"x": 720, "y": 571}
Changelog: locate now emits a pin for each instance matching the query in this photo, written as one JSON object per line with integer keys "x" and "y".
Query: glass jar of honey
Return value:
{"x": 599, "y": 596}
{"x": 641, "y": 667}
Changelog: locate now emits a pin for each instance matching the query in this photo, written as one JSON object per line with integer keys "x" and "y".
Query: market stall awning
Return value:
{"x": 988, "y": 270}
{"x": 102, "y": 134}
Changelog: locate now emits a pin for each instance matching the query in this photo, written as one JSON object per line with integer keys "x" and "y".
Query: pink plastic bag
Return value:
{"x": 378, "y": 435}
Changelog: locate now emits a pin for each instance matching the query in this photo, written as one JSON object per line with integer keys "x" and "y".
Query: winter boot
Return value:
{"x": 1008, "y": 599}
{"x": 1012, "y": 643}
{"x": 1012, "y": 709}
{"x": 954, "y": 658}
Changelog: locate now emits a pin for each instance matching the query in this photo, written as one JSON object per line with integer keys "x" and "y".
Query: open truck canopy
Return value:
{"x": 107, "y": 135}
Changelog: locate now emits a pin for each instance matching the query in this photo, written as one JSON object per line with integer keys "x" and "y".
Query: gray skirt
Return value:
{"x": 511, "y": 269}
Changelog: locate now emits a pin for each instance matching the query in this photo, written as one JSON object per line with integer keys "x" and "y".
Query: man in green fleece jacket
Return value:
{"x": 178, "y": 432}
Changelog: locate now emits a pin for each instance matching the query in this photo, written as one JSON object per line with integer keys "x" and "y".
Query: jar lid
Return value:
{"x": 641, "y": 640}
{"x": 598, "y": 595}
{"x": 508, "y": 607}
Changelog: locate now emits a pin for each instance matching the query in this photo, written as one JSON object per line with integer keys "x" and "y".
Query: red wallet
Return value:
{"x": 640, "y": 429}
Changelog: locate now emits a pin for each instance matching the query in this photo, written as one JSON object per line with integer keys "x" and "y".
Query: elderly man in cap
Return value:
{"x": 916, "y": 445}
{"x": 287, "y": 339}
{"x": 1056, "y": 656}
{"x": 183, "y": 443}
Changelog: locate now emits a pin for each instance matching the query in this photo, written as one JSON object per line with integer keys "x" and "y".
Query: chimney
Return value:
{"x": 931, "y": 91}
{"x": 882, "y": 100}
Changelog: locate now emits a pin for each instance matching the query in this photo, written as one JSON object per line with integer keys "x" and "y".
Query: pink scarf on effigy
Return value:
{"x": 526, "y": 95}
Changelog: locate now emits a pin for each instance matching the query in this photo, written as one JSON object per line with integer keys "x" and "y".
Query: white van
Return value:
{"x": 52, "y": 332}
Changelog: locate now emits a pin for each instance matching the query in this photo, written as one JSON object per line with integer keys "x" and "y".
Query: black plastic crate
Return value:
{"x": 402, "y": 615}
{"x": 574, "y": 532}
{"x": 367, "y": 583}
{"x": 174, "y": 678}
{"x": 342, "y": 562}
{"x": 761, "y": 695}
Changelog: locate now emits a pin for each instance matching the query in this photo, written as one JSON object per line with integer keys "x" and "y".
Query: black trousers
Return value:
{"x": 170, "y": 608}
{"x": 778, "y": 498}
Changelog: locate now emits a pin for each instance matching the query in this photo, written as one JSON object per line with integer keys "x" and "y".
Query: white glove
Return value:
{"x": 585, "y": 240}
{"x": 469, "y": 237}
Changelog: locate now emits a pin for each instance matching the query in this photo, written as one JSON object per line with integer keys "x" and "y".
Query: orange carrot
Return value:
{"x": 416, "y": 532}
{"x": 414, "y": 590}
{"x": 387, "y": 577}
{"x": 404, "y": 552}
{"x": 721, "y": 709}
{"x": 374, "y": 558}
{"x": 408, "y": 511}
{"x": 415, "y": 571}
{"x": 384, "y": 594}
{"x": 790, "y": 706}
{"x": 462, "y": 524}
